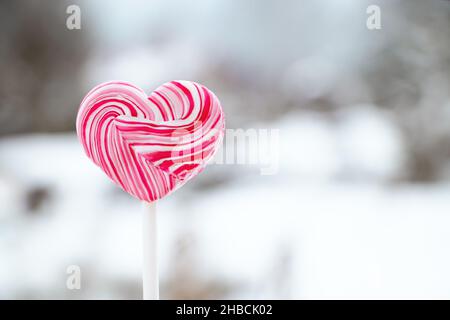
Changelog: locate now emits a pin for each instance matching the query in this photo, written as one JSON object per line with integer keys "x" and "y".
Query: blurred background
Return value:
{"x": 359, "y": 206}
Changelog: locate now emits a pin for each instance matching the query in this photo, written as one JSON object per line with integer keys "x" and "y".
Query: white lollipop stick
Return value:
{"x": 150, "y": 281}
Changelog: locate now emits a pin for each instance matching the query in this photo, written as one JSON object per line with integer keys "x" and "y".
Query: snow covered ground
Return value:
{"x": 328, "y": 225}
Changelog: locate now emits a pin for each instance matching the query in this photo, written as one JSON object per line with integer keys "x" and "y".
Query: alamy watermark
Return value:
{"x": 373, "y": 21}
{"x": 257, "y": 147}
{"x": 73, "y": 281}
{"x": 73, "y": 21}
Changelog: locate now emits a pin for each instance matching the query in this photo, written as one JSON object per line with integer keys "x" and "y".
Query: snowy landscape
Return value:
{"x": 302, "y": 233}
{"x": 357, "y": 208}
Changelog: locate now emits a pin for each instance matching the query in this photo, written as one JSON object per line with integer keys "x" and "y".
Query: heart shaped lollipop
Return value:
{"x": 150, "y": 145}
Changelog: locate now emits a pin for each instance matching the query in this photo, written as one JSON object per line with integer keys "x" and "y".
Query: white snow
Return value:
{"x": 302, "y": 233}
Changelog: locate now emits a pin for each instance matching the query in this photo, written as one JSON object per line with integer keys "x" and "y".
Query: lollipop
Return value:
{"x": 150, "y": 145}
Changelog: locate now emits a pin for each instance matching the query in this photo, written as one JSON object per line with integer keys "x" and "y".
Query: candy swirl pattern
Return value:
{"x": 150, "y": 145}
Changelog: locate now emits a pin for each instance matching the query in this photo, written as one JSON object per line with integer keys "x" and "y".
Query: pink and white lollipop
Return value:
{"x": 150, "y": 145}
